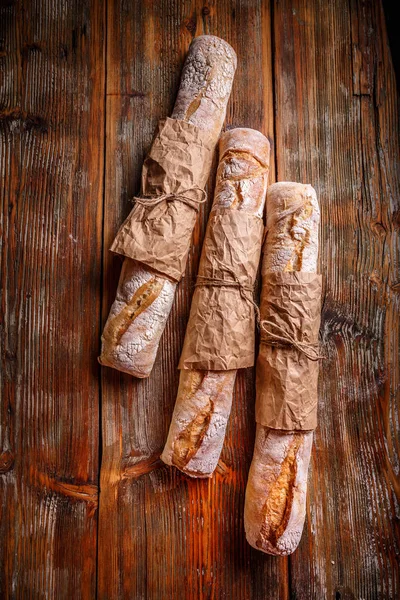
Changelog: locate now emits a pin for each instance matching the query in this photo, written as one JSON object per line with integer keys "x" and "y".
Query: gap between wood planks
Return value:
{"x": 100, "y": 440}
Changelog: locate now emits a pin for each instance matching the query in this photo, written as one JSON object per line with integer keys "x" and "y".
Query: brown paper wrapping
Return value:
{"x": 220, "y": 333}
{"x": 178, "y": 164}
{"x": 286, "y": 380}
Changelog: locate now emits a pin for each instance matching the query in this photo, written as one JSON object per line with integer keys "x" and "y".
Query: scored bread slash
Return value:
{"x": 287, "y": 371}
{"x": 220, "y": 336}
{"x": 155, "y": 238}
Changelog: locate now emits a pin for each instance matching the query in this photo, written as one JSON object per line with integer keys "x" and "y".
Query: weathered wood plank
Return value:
{"x": 337, "y": 128}
{"x": 51, "y": 164}
{"x": 161, "y": 534}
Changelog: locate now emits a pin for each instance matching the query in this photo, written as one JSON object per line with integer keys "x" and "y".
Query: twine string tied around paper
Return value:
{"x": 284, "y": 338}
{"x": 151, "y": 201}
{"x": 246, "y": 291}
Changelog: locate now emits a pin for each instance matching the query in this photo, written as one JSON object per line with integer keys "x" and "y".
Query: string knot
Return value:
{"x": 246, "y": 291}
{"x": 194, "y": 203}
{"x": 284, "y": 338}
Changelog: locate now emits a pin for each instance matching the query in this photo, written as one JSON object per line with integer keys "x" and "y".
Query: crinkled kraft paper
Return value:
{"x": 159, "y": 236}
{"x": 220, "y": 333}
{"x": 286, "y": 380}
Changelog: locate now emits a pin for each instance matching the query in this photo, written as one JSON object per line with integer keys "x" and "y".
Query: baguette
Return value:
{"x": 144, "y": 296}
{"x": 275, "y": 502}
{"x": 204, "y": 398}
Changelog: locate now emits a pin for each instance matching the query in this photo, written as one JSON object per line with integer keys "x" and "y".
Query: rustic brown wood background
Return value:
{"x": 87, "y": 510}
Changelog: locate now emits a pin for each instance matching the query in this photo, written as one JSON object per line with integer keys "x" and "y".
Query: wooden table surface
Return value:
{"x": 87, "y": 509}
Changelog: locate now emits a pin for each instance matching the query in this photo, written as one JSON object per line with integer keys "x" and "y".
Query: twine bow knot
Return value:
{"x": 194, "y": 203}
{"x": 286, "y": 339}
{"x": 246, "y": 291}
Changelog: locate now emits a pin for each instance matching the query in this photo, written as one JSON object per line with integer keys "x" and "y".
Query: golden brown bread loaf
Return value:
{"x": 275, "y": 503}
{"x": 199, "y": 421}
{"x": 204, "y": 399}
{"x": 144, "y": 297}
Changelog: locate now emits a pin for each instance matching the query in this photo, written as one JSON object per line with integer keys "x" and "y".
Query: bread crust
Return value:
{"x": 275, "y": 503}
{"x": 202, "y": 99}
{"x": 137, "y": 318}
{"x": 199, "y": 421}
{"x": 206, "y": 83}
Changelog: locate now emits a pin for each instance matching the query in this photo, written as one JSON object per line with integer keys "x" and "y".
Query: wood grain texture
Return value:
{"x": 51, "y": 163}
{"x": 162, "y": 535}
{"x": 337, "y": 128}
